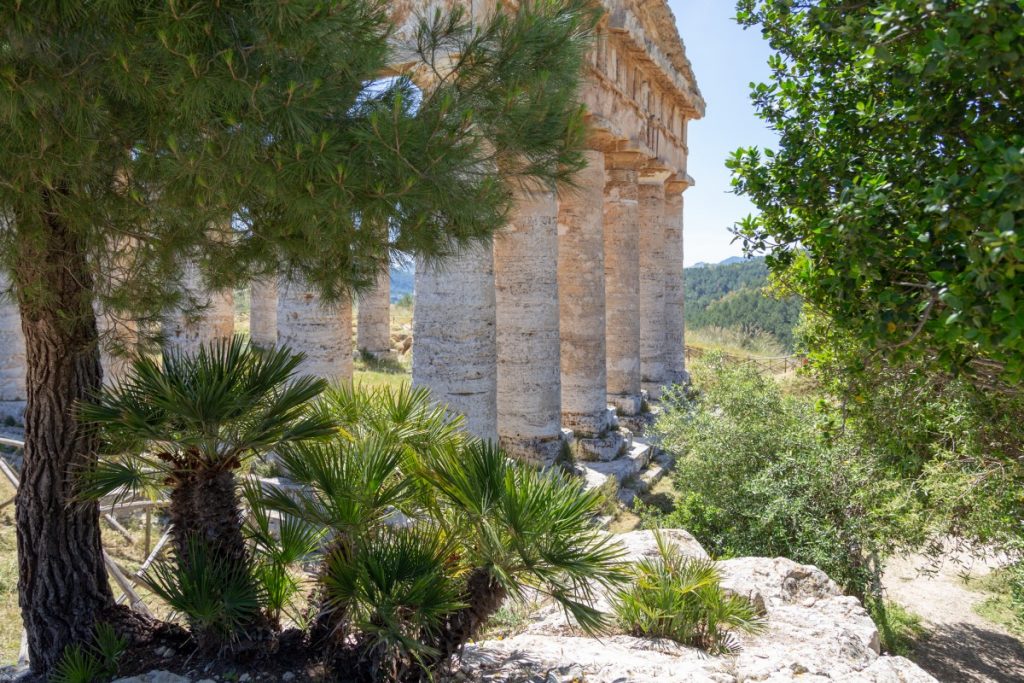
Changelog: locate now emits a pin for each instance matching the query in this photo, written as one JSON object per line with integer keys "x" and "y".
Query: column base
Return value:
{"x": 603, "y": 448}
{"x": 383, "y": 355}
{"x": 653, "y": 389}
{"x": 626, "y": 404}
{"x": 540, "y": 451}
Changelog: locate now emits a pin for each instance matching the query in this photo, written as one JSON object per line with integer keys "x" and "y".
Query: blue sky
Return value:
{"x": 726, "y": 58}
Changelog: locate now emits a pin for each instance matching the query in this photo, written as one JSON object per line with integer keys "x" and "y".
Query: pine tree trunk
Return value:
{"x": 62, "y": 581}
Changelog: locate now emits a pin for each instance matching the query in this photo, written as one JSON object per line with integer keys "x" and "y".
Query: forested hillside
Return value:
{"x": 730, "y": 296}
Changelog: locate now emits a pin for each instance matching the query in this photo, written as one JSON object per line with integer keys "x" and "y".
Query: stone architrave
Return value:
{"x": 653, "y": 265}
{"x": 622, "y": 286}
{"x": 263, "y": 312}
{"x": 322, "y": 331}
{"x": 526, "y": 296}
{"x": 373, "y": 335}
{"x": 581, "y": 299}
{"x": 215, "y": 321}
{"x": 454, "y": 345}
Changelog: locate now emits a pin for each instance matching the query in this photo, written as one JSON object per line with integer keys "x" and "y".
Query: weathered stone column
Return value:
{"x": 263, "y": 312}
{"x": 653, "y": 322}
{"x": 215, "y": 321}
{"x": 322, "y": 331}
{"x": 12, "y": 355}
{"x": 119, "y": 340}
{"x": 373, "y": 334}
{"x": 622, "y": 286}
{"x": 454, "y": 353}
{"x": 675, "y": 357}
{"x": 526, "y": 296}
{"x": 581, "y": 299}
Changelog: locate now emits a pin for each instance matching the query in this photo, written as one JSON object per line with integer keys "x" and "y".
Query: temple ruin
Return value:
{"x": 558, "y": 330}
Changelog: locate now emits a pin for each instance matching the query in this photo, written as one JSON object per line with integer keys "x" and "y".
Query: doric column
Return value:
{"x": 622, "y": 284}
{"x": 263, "y": 312}
{"x": 374, "y": 329}
{"x": 526, "y": 295}
{"x": 454, "y": 352}
{"x": 321, "y": 331}
{"x": 581, "y": 298}
{"x": 653, "y": 322}
{"x": 675, "y": 358}
{"x": 12, "y": 349}
{"x": 216, "y": 319}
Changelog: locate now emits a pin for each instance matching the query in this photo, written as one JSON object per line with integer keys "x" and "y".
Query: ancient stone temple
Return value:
{"x": 575, "y": 316}
{"x": 561, "y": 329}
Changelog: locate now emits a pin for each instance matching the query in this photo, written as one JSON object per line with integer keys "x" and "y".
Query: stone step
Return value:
{"x": 625, "y": 466}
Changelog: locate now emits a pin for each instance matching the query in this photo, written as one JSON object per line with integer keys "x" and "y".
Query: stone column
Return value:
{"x": 119, "y": 341}
{"x": 581, "y": 298}
{"x": 374, "y": 328}
{"x": 454, "y": 353}
{"x": 263, "y": 312}
{"x": 322, "y": 331}
{"x": 653, "y": 323}
{"x": 622, "y": 286}
{"x": 12, "y": 354}
{"x": 675, "y": 357}
{"x": 215, "y": 321}
{"x": 526, "y": 296}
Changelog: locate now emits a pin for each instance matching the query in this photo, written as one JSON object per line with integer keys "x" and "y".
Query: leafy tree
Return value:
{"x": 895, "y": 198}
{"x": 248, "y": 137}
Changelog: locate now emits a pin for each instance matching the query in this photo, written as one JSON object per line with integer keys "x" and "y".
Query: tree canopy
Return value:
{"x": 895, "y": 198}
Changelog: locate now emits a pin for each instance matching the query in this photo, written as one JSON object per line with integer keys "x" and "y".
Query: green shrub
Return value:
{"x": 678, "y": 597}
{"x": 93, "y": 662}
{"x": 762, "y": 473}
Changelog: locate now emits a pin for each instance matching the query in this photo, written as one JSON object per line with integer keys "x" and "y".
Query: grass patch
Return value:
{"x": 735, "y": 342}
{"x": 998, "y": 606}
{"x": 899, "y": 629}
{"x": 510, "y": 620}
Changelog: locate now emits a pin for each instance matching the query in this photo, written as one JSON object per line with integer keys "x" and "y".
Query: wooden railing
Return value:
{"x": 772, "y": 365}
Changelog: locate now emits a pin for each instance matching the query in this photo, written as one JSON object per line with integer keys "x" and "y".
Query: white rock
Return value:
{"x": 154, "y": 677}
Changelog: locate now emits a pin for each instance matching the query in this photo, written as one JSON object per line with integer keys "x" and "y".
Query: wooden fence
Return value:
{"x": 774, "y": 365}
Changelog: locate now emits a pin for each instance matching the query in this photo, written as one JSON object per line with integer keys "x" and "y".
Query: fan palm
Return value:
{"x": 187, "y": 426}
{"x": 408, "y": 498}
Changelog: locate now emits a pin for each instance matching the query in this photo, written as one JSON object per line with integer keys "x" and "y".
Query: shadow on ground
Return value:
{"x": 965, "y": 652}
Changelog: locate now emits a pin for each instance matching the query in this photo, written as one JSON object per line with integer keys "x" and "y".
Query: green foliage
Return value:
{"x": 256, "y": 137}
{"x": 428, "y": 531}
{"x": 1004, "y": 604}
{"x": 218, "y": 408}
{"x": 762, "y": 473}
{"x": 218, "y": 595}
{"x": 895, "y": 198}
{"x": 96, "y": 661}
{"x": 681, "y": 598}
{"x": 899, "y": 629}
{"x": 736, "y": 296}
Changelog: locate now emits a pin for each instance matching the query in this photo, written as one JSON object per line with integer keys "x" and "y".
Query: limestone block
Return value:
{"x": 653, "y": 263}
{"x": 263, "y": 312}
{"x": 455, "y": 353}
{"x": 622, "y": 288}
{"x": 581, "y": 297}
{"x": 374, "y": 318}
{"x": 322, "y": 331}
{"x": 527, "y": 318}
{"x": 215, "y": 319}
{"x": 675, "y": 357}
{"x": 12, "y": 348}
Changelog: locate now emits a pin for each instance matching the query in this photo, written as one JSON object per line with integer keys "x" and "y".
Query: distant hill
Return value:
{"x": 729, "y": 295}
{"x": 402, "y": 278}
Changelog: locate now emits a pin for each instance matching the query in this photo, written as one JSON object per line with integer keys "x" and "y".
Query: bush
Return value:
{"x": 681, "y": 598}
{"x": 762, "y": 473}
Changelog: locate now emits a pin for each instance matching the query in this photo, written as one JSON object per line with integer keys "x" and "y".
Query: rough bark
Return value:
{"x": 62, "y": 581}
{"x": 484, "y": 597}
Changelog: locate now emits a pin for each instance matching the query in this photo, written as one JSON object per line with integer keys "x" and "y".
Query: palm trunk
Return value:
{"x": 484, "y": 597}
{"x": 62, "y": 581}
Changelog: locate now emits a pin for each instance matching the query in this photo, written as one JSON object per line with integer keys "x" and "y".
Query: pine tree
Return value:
{"x": 247, "y": 137}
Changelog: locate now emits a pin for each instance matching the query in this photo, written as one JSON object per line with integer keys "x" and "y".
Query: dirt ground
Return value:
{"x": 962, "y": 646}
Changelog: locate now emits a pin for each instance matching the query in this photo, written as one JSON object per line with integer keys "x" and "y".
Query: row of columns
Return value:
{"x": 577, "y": 307}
